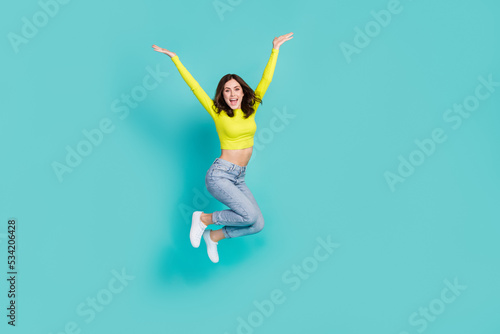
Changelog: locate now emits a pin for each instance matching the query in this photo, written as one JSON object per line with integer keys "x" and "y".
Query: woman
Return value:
{"x": 233, "y": 111}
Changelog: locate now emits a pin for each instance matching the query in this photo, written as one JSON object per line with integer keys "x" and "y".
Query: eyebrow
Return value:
{"x": 233, "y": 86}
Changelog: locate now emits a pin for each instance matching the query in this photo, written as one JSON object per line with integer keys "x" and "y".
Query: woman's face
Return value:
{"x": 233, "y": 94}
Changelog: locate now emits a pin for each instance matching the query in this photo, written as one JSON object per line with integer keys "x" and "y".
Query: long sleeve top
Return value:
{"x": 234, "y": 132}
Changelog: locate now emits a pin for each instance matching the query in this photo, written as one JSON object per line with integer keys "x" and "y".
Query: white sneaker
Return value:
{"x": 197, "y": 229}
{"x": 211, "y": 247}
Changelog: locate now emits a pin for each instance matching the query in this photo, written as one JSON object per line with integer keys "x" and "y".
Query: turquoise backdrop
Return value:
{"x": 376, "y": 165}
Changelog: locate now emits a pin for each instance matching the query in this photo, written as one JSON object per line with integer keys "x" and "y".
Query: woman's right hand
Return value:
{"x": 165, "y": 51}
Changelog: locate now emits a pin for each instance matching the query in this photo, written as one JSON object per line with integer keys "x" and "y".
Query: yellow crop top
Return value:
{"x": 234, "y": 132}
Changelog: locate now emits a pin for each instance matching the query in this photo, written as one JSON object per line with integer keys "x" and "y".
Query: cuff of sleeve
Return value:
{"x": 275, "y": 50}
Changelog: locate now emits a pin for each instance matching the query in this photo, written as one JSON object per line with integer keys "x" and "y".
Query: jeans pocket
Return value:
{"x": 220, "y": 167}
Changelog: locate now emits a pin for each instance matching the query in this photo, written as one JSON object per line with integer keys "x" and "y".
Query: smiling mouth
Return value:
{"x": 233, "y": 101}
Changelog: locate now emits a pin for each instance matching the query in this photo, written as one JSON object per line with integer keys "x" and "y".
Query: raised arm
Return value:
{"x": 200, "y": 94}
{"x": 267, "y": 77}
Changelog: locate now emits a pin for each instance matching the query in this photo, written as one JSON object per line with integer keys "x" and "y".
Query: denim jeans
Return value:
{"x": 226, "y": 182}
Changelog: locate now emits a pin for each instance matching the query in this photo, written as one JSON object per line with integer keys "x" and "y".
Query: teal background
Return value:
{"x": 128, "y": 204}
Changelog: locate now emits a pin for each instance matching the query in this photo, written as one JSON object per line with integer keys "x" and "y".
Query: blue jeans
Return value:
{"x": 226, "y": 182}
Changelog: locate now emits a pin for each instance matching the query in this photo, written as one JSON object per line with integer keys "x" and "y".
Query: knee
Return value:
{"x": 252, "y": 216}
{"x": 255, "y": 219}
{"x": 259, "y": 224}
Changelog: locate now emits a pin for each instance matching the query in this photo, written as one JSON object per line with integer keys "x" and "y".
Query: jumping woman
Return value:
{"x": 233, "y": 111}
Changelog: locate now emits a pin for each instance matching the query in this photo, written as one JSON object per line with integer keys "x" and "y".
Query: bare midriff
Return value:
{"x": 239, "y": 157}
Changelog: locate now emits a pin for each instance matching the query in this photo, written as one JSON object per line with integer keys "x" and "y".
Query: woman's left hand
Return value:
{"x": 280, "y": 40}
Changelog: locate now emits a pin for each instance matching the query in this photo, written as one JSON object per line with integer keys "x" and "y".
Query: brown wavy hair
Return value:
{"x": 247, "y": 104}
